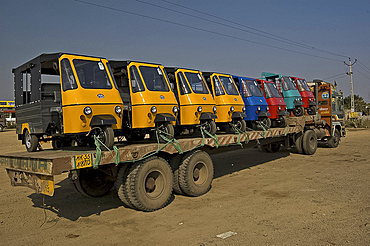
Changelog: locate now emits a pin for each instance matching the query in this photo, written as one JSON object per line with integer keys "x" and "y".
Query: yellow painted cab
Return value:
{"x": 65, "y": 98}
{"x": 149, "y": 101}
{"x": 196, "y": 103}
{"x": 229, "y": 103}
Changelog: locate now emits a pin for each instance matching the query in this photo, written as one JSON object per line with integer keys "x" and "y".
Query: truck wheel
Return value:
{"x": 106, "y": 136}
{"x": 333, "y": 141}
{"x": 175, "y": 163}
{"x": 211, "y": 127}
{"x": 150, "y": 184}
{"x": 56, "y": 143}
{"x": 93, "y": 182}
{"x": 298, "y": 144}
{"x": 31, "y": 141}
{"x": 298, "y": 111}
{"x": 1, "y": 128}
{"x": 309, "y": 142}
{"x": 196, "y": 173}
{"x": 122, "y": 187}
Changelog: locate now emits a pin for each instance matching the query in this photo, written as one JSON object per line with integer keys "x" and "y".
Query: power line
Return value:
{"x": 338, "y": 76}
{"x": 361, "y": 73}
{"x": 200, "y": 29}
{"x": 364, "y": 67}
{"x": 279, "y": 38}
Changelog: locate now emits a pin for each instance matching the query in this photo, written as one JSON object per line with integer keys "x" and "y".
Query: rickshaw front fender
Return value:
{"x": 207, "y": 116}
{"x": 164, "y": 117}
{"x": 236, "y": 115}
{"x": 103, "y": 120}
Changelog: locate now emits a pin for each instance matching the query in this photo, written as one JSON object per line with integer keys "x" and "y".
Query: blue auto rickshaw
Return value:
{"x": 286, "y": 87}
{"x": 255, "y": 103}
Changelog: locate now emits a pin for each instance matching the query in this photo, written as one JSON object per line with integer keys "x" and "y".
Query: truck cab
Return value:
{"x": 331, "y": 108}
{"x": 307, "y": 96}
{"x": 286, "y": 87}
{"x": 275, "y": 101}
{"x": 255, "y": 103}
{"x": 230, "y": 106}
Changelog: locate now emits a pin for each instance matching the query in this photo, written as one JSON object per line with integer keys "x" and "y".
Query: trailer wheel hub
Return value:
{"x": 150, "y": 184}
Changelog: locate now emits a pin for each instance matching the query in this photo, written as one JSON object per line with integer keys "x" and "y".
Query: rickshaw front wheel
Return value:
{"x": 106, "y": 136}
{"x": 211, "y": 127}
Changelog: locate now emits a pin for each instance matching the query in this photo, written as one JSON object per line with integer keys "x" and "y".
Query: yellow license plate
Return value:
{"x": 82, "y": 161}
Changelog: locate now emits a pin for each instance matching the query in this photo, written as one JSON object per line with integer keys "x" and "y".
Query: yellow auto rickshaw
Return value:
{"x": 149, "y": 101}
{"x": 229, "y": 103}
{"x": 65, "y": 98}
{"x": 196, "y": 104}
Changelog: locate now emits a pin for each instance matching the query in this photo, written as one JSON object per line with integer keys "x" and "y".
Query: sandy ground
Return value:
{"x": 266, "y": 199}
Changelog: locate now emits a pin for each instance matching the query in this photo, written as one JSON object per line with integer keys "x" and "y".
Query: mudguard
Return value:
{"x": 264, "y": 114}
{"x": 164, "y": 117}
{"x": 103, "y": 120}
{"x": 312, "y": 103}
{"x": 298, "y": 103}
{"x": 283, "y": 113}
{"x": 236, "y": 115}
{"x": 207, "y": 116}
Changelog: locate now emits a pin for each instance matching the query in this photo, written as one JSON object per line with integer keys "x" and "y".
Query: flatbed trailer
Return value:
{"x": 146, "y": 173}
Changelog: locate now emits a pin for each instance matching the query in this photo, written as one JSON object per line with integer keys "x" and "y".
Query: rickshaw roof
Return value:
{"x": 174, "y": 69}
{"x": 125, "y": 63}
{"x": 45, "y": 58}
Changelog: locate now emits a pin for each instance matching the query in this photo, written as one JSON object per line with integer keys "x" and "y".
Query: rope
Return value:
{"x": 98, "y": 142}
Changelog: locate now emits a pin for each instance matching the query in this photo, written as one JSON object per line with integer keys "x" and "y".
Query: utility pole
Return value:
{"x": 350, "y": 74}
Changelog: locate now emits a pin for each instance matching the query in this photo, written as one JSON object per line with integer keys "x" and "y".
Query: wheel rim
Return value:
{"x": 154, "y": 184}
{"x": 238, "y": 125}
{"x": 312, "y": 142}
{"x": 28, "y": 140}
{"x": 102, "y": 136}
{"x": 200, "y": 173}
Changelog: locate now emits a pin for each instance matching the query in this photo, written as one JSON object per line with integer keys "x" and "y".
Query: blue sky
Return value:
{"x": 29, "y": 28}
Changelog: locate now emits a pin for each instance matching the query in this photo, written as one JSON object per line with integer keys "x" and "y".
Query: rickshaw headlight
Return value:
{"x": 267, "y": 108}
{"x": 258, "y": 108}
{"x": 279, "y": 108}
{"x": 232, "y": 109}
{"x": 214, "y": 108}
{"x": 87, "y": 110}
{"x": 243, "y": 109}
{"x": 118, "y": 109}
{"x": 175, "y": 109}
{"x": 200, "y": 109}
{"x": 153, "y": 109}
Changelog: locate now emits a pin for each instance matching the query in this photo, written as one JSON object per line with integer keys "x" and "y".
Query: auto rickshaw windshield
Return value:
{"x": 273, "y": 89}
{"x": 154, "y": 78}
{"x": 92, "y": 74}
{"x": 253, "y": 87}
{"x": 197, "y": 83}
{"x": 229, "y": 85}
{"x": 302, "y": 85}
{"x": 287, "y": 84}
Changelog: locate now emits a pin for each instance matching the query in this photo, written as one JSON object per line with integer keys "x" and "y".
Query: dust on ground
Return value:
{"x": 279, "y": 198}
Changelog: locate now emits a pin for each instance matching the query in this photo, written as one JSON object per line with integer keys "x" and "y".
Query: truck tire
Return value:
{"x": 333, "y": 141}
{"x": 31, "y": 141}
{"x": 298, "y": 144}
{"x": 196, "y": 173}
{"x": 309, "y": 142}
{"x": 122, "y": 187}
{"x": 93, "y": 182}
{"x": 175, "y": 163}
{"x": 150, "y": 184}
{"x": 1, "y": 128}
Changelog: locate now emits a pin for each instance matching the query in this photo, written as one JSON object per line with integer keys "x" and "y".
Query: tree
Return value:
{"x": 360, "y": 104}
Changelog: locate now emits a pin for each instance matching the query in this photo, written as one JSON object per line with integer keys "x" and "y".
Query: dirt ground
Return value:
{"x": 280, "y": 198}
